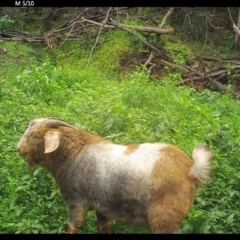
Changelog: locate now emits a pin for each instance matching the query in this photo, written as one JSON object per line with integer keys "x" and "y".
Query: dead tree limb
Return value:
{"x": 198, "y": 79}
{"x": 64, "y": 54}
{"x": 216, "y": 73}
{"x": 235, "y": 28}
{"x": 66, "y": 37}
{"x": 62, "y": 29}
{"x": 217, "y": 59}
{"x": 219, "y": 86}
{"x": 156, "y": 38}
{"x": 97, "y": 23}
{"x": 173, "y": 65}
{"x": 149, "y": 29}
{"x": 100, "y": 29}
{"x": 138, "y": 28}
{"x": 220, "y": 71}
{"x": 69, "y": 22}
{"x": 189, "y": 80}
{"x": 236, "y": 41}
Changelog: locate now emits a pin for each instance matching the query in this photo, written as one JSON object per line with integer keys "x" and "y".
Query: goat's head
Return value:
{"x": 40, "y": 138}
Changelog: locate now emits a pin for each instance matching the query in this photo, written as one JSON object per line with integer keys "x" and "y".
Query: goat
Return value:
{"x": 149, "y": 185}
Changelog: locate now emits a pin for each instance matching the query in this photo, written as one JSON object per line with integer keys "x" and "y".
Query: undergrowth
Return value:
{"x": 135, "y": 110}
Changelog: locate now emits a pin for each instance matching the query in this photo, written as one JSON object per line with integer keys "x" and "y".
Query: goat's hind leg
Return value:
{"x": 163, "y": 225}
{"x": 103, "y": 223}
{"x": 77, "y": 216}
{"x": 165, "y": 220}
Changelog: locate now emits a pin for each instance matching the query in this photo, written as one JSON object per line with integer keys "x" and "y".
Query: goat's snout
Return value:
{"x": 20, "y": 150}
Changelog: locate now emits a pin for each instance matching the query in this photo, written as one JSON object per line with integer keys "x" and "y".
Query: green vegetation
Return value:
{"x": 5, "y": 22}
{"x": 180, "y": 52}
{"x": 138, "y": 109}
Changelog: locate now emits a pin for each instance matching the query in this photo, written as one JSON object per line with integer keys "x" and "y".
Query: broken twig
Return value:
{"x": 100, "y": 29}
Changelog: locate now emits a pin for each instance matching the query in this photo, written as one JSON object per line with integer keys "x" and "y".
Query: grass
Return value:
{"x": 135, "y": 110}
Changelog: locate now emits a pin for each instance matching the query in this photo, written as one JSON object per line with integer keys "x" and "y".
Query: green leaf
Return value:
{"x": 230, "y": 218}
{"x": 18, "y": 212}
{"x": 13, "y": 203}
{"x": 36, "y": 171}
{"x": 25, "y": 177}
{"x": 188, "y": 228}
{"x": 207, "y": 228}
{"x": 53, "y": 194}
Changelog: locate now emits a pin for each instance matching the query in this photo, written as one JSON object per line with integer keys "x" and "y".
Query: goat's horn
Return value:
{"x": 54, "y": 122}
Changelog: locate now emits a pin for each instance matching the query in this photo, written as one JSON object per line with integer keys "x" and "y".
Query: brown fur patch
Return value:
{"x": 71, "y": 229}
{"x": 172, "y": 191}
{"x": 94, "y": 139}
{"x": 131, "y": 149}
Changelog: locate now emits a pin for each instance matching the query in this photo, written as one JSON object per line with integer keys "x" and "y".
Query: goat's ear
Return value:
{"x": 52, "y": 140}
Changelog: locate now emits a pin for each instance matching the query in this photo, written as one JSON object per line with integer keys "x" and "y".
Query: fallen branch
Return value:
{"x": 216, "y": 59}
{"x": 62, "y": 29}
{"x": 100, "y": 29}
{"x": 214, "y": 74}
{"x": 64, "y": 54}
{"x": 173, "y": 65}
{"x": 66, "y": 37}
{"x": 189, "y": 80}
{"x": 96, "y": 23}
{"x": 219, "y": 86}
{"x": 149, "y": 29}
{"x": 156, "y": 38}
{"x": 138, "y": 28}
{"x": 220, "y": 71}
{"x": 69, "y": 22}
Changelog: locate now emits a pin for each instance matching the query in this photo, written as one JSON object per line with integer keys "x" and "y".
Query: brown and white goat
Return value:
{"x": 150, "y": 185}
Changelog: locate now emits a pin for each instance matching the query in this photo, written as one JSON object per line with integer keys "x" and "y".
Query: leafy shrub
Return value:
{"x": 5, "y": 22}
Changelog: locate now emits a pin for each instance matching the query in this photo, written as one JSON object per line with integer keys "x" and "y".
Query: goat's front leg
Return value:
{"x": 76, "y": 218}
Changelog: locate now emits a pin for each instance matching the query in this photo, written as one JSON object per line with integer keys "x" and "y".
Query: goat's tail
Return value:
{"x": 201, "y": 168}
